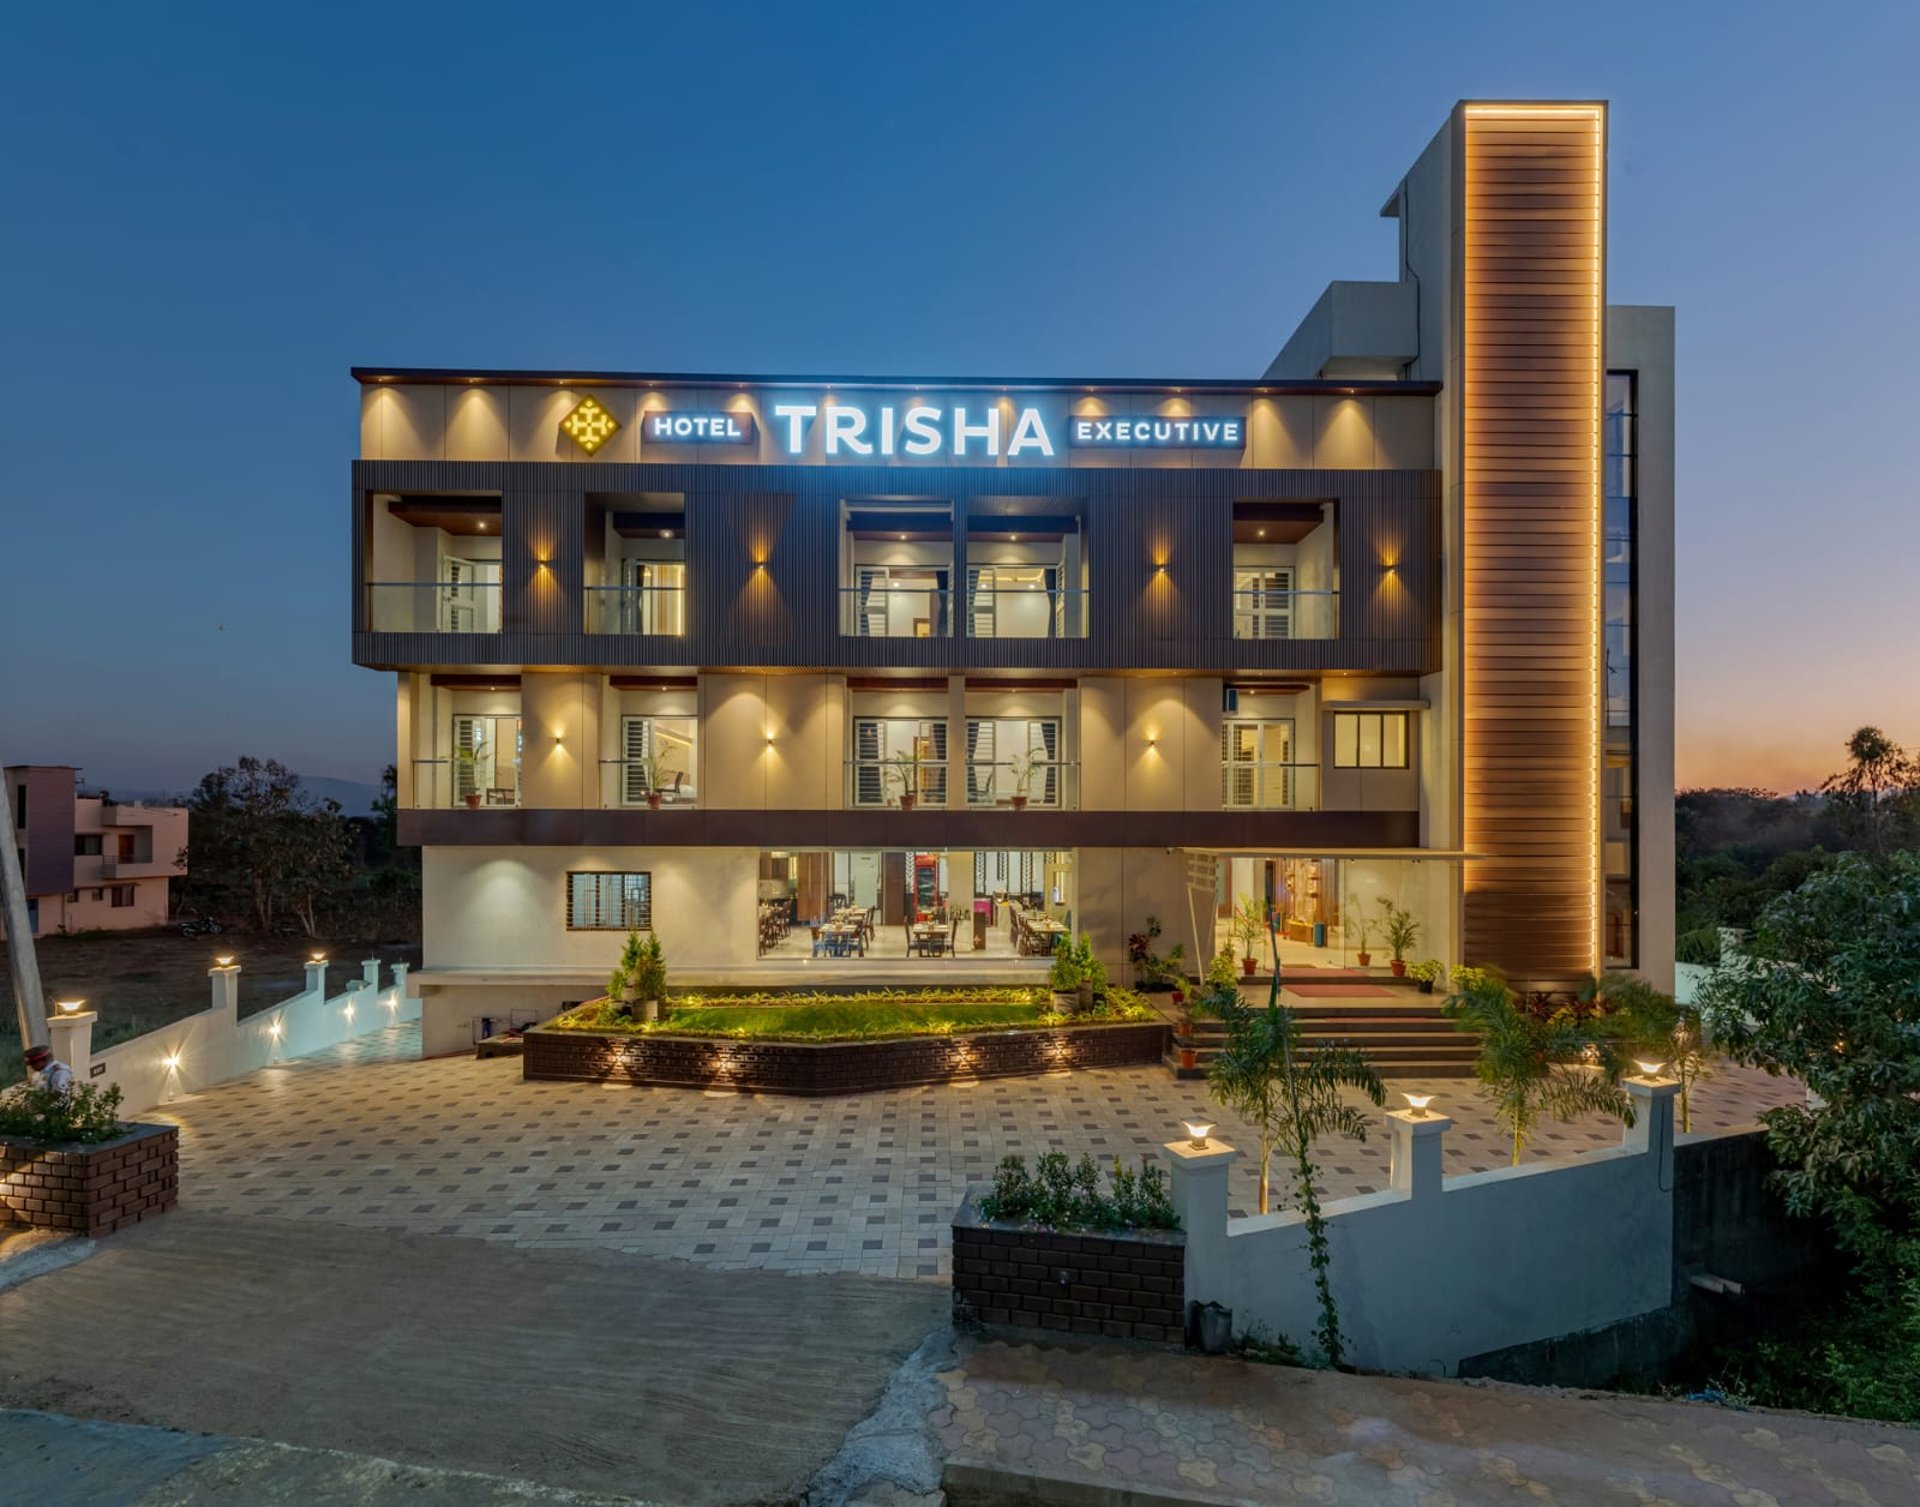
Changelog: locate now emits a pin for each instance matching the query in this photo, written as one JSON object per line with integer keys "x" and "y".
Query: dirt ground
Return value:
{"x": 576, "y": 1368}
{"x": 138, "y": 980}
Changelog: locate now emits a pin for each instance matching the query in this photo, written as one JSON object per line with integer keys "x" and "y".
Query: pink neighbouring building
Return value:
{"x": 91, "y": 863}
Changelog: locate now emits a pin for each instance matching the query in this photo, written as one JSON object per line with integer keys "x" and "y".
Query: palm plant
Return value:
{"x": 1537, "y": 1063}
{"x": 1292, "y": 1097}
{"x": 1655, "y": 1026}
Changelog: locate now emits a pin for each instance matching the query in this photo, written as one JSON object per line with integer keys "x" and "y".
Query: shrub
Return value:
{"x": 84, "y": 1116}
{"x": 1064, "y": 1195}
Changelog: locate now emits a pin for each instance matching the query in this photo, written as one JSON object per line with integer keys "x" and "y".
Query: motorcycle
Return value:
{"x": 203, "y": 926}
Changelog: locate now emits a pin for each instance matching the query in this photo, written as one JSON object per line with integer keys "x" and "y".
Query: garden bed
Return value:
{"x": 91, "y": 1189}
{"x": 839, "y": 1044}
{"x": 1127, "y": 1284}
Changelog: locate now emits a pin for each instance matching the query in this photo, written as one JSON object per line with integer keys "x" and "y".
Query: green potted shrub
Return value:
{"x": 1249, "y": 921}
{"x": 1022, "y": 767}
{"x": 650, "y": 777}
{"x": 1065, "y": 977}
{"x": 1427, "y": 974}
{"x": 1360, "y": 934}
{"x": 650, "y": 979}
{"x": 902, "y": 773}
{"x": 1402, "y": 933}
{"x": 468, "y": 760}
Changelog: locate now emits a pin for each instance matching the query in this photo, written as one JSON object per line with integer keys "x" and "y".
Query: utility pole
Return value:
{"x": 28, "y": 1001}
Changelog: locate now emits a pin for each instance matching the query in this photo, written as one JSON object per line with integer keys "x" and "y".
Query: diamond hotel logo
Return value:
{"x": 590, "y": 425}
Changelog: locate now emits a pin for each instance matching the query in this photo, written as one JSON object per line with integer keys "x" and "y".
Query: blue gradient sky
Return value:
{"x": 214, "y": 212}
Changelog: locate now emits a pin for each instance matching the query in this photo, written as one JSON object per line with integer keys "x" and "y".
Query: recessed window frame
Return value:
{"x": 612, "y": 905}
{"x": 1355, "y": 752}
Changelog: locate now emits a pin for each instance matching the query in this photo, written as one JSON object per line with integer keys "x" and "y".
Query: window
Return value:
{"x": 122, "y": 896}
{"x": 86, "y": 845}
{"x": 609, "y": 902}
{"x": 1369, "y": 740}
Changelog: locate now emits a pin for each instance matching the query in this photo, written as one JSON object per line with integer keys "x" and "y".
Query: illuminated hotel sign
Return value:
{"x": 697, "y": 428}
{"x": 1154, "y": 433}
{"x": 918, "y": 429}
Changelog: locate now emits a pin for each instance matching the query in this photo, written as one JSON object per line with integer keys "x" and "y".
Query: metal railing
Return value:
{"x": 433, "y": 607}
{"x": 1043, "y": 784}
{"x": 441, "y": 784}
{"x": 1026, "y": 612}
{"x": 874, "y": 783}
{"x": 623, "y": 785}
{"x": 895, "y": 612}
{"x": 1286, "y": 614}
{"x": 637, "y": 609}
{"x": 1262, "y": 785}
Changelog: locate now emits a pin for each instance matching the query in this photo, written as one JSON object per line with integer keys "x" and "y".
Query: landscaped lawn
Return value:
{"x": 854, "y": 1017}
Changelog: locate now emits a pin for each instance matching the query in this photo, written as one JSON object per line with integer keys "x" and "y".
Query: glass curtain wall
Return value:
{"x": 1619, "y": 832}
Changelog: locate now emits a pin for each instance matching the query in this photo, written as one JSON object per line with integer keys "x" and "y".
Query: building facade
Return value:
{"x": 1381, "y": 635}
{"x": 91, "y": 863}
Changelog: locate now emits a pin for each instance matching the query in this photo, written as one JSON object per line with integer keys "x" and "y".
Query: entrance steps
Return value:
{"x": 1403, "y": 1033}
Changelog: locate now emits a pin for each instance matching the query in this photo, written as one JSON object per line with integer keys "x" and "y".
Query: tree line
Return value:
{"x": 264, "y": 852}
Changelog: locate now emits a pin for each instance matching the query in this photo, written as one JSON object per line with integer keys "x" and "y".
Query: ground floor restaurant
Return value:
{"x": 514, "y": 933}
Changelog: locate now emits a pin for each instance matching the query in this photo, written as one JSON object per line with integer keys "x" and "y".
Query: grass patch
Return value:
{"x": 852, "y": 1017}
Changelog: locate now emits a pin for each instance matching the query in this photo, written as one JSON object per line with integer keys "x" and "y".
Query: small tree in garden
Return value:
{"x": 1534, "y": 1062}
{"x": 1292, "y": 1097}
{"x": 651, "y": 972}
{"x": 1653, "y": 1026}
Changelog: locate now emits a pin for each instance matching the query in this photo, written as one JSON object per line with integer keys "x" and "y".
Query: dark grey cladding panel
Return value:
{"x": 762, "y": 553}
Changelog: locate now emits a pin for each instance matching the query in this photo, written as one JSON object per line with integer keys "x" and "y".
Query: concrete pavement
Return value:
{"x": 1101, "y": 1426}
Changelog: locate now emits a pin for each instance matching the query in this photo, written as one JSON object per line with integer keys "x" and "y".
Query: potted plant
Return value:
{"x": 624, "y": 985}
{"x": 1427, "y": 974}
{"x": 1249, "y": 921}
{"x": 650, "y": 777}
{"x": 903, "y": 777}
{"x": 468, "y": 760}
{"x": 1360, "y": 933}
{"x": 650, "y": 979}
{"x": 1220, "y": 972}
{"x": 1065, "y": 977}
{"x": 1189, "y": 1054}
{"x": 1402, "y": 933}
{"x": 1022, "y": 767}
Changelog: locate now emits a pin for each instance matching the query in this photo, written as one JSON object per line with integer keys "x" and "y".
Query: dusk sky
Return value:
{"x": 214, "y": 212}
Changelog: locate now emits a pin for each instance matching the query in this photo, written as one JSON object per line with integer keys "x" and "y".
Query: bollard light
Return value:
{"x": 1649, "y": 1070}
{"x": 225, "y": 962}
{"x": 318, "y": 957}
{"x": 1198, "y": 1131}
{"x": 70, "y": 1006}
{"x": 1418, "y": 1104}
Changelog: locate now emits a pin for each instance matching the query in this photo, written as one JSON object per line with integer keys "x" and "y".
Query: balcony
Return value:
{"x": 1280, "y": 614}
{"x": 1013, "y": 784}
{"x": 873, "y": 784}
{"x": 1026, "y": 612}
{"x": 630, "y": 784}
{"x": 895, "y": 612}
{"x": 658, "y": 610}
{"x": 1261, "y": 785}
{"x": 433, "y": 607}
{"x": 464, "y": 784}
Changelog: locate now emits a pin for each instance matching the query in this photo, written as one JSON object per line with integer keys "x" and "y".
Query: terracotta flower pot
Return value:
{"x": 1189, "y": 1057}
{"x": 1399, "y": 967}
{"x": 653, "y": 800}
{"x": 1365, "y": 959}
{"x": 1249, "y": 966}
{"x": 1183, "y": 1028}
{"x": 473, "y": 800}
{"x": 1019, "y": 803}
{"x": 906, "y": 802}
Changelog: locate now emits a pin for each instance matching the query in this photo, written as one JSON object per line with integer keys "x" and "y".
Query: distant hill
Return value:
{"x": 356, "y": 797}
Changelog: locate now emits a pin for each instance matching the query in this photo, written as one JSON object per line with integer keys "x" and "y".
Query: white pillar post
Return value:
{"x": 317, "y": 977}
{"x": 1415, "y": 1145}
{"x": 1652, "y": 1127}
{"x": 225, "y": 978}
{"x": 400, "y": 971}
{"x": 70, "y": 1035}
{"x": 370, "y": 971}
{"x": 1199, "y": 1191}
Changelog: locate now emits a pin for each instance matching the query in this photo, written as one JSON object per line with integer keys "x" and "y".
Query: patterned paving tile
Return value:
{"x": 369, "y": 1135}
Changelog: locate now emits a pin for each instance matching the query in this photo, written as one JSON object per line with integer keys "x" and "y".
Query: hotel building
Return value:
{"x": 1386, "y": 628}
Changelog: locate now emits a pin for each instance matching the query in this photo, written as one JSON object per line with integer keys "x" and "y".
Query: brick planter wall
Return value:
{"x": 839, "y": 1067}
{"x": 92, "y": 1190}
{"x": 1123, "y": 1286}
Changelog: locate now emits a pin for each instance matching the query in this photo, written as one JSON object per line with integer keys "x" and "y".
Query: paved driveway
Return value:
{"x": 367, "y": 1137}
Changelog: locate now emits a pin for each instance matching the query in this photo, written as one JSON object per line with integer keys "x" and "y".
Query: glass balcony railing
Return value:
{"x": 1286, "y": 614}
{"x": 875, "y": 783}
{"x": 637, "y": 609}
{"x": 631, "y": 784}
{"x": 464, "y": 784}
{"x": 433, "y": 607}
{"x": 895, "y": 612}
{"x": 1026, "y": 612}
{"x": 1042, "y": 785}
{"x": 1256, "y": 785}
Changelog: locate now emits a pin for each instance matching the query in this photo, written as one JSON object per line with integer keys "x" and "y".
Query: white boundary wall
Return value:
{"x": 201, "y": 1050}
{"x": 1434, "y": 1271}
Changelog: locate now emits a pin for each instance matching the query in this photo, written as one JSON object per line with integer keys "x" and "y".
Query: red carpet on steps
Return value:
{"x": 1338, "y": 991}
